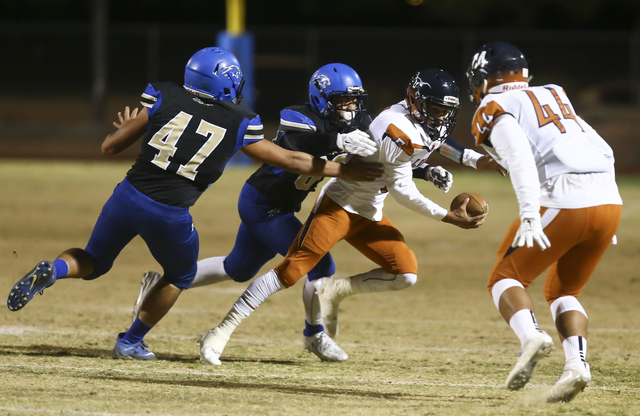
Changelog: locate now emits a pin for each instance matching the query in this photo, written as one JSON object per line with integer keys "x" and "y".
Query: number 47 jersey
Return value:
{"x": 188, "y": 143}
{"x": 560, "y": 141}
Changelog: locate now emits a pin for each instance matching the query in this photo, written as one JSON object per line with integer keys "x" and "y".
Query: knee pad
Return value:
{"x": 564, "y": 304}
{"x": 501, "y": 285}
{"x": 404, "y": 280}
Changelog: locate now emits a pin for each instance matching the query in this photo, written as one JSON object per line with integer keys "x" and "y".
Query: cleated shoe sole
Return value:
{"x": 36, "y": 281}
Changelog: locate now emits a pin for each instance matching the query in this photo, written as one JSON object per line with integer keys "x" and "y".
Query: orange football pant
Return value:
{"x": 579, "y": 238}
{"x": 329, "y": 223}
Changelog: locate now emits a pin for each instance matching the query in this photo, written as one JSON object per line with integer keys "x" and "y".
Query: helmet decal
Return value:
{"x": 322, "y": 81}
{"x": 417, "y": 84}
{"x": 479, "y": 60}
{"x": 233, "y": 72}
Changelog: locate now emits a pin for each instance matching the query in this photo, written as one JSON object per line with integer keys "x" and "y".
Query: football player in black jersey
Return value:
{"x": 332, "y": 124}
{"x": 189, "y": 134}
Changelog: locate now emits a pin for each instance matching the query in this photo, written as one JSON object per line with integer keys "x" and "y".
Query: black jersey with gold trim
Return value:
{"x": 188, "y": 143}
{"x": 302, "y": 128}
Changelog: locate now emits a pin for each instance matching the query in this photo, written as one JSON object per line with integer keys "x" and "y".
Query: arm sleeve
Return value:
{"x": 421, "y": 172}
{"x": 405, "y": 191}
{"x": 512, "y": 145}
{"x": 316, "y": 144}
{"x": 453, "y": 150}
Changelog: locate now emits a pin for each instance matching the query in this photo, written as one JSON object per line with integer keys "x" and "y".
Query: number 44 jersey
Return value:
{"x": 188, "y": 143}
{"x": 561, "y": 143}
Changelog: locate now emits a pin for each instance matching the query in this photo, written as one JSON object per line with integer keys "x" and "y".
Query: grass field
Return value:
{"x": 438, "y": 348}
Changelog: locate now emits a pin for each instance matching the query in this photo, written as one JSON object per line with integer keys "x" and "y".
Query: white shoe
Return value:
{"x": 212, "y": 344}
{"x": 324, "y": 347}
{"x": 573, "y": 380}
{"x": 329, "y": 303}
{"x": 148, "y": 281}
{"x": 535, "y": 349}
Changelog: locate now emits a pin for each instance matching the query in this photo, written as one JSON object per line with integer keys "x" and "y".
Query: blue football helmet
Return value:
{"x": 334, "y": 81}
{"x": 433, "y": 99}
{"x": 214, "y": 74}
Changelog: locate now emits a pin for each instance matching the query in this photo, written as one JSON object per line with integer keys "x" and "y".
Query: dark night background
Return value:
{"x": 540, "y": 14}
{"x": 47, "y": 79}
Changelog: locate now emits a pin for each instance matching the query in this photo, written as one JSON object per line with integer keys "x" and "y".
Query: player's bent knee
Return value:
{"x": 565, "y": 304}
{"x": 500, "y": 287}
{"x": 241, "y": 273}
{"x": 79, "y": 261}
{"x": 181, "y": 282}
{"x": 241, "y": 277}
{"x": 99, "y": 268}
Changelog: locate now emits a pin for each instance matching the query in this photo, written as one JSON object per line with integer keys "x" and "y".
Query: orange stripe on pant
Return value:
{"x": 579, "y": 238}
{"x": 379, "y": 241}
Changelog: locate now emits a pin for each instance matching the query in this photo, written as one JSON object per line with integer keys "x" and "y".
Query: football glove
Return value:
{"x": 356, "y": 142}
{"x": 530, "y": 230}
{"x": 440, "y": 177}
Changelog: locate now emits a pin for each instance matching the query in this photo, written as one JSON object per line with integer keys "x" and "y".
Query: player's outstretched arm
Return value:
{"x": 298, "y": 162}
{"x": 358, "y": 170}
{"x": 489, "y": 163}
{"x": 131, "y": 126}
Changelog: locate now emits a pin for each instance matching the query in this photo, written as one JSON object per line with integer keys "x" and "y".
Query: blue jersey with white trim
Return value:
{"x": 188, "y": 143}
{"x": 302, "y": 128}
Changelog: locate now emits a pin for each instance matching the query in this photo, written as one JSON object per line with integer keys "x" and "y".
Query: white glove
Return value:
{"x": 531, "y": 230}
{"x": 440, "y": 177}
{"x": 356, "y": 142}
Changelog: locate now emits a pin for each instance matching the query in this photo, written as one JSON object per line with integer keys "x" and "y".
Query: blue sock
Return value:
{"x": 311, "y": 329}
{"x": 136, "y": 332}
{"x": 61, "y": 268}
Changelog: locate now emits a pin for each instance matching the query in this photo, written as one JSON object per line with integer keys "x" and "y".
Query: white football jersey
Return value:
{"x": 575, "y": 165}
{"x": 402, "y": 144}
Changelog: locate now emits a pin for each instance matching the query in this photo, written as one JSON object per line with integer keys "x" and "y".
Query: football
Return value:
{"x": 476, "y": 206}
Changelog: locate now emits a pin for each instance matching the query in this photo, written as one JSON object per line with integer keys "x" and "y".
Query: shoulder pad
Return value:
{"x": 400, "y": 138}
{"x": 294, "y": 119}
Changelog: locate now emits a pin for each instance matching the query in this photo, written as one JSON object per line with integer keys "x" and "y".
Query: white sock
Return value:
{"x": 313, "y": 314}
{"x": 376, "y": 280}
{"x": 257, "y": 292}
{"x": 524, "y": 325}
{"x": 575, "y": 348}
{"x": 210, "y": 271}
